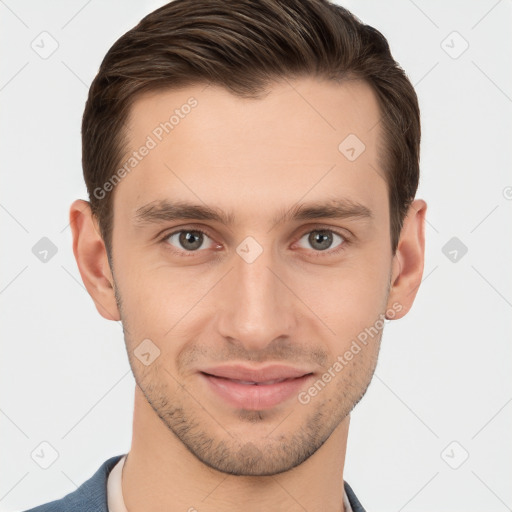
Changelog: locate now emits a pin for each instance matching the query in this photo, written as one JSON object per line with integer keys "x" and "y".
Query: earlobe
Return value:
{"x": 91, "y": 257}
{"x": 409, "y": 258}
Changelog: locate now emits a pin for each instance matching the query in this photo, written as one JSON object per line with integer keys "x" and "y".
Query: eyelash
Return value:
{"x": 186, "y": 254}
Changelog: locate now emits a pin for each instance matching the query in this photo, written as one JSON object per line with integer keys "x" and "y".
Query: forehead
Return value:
{"x": 305, "y": 138}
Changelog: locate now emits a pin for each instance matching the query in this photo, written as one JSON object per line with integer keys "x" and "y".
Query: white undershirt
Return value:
{"x": 115, "y": 490}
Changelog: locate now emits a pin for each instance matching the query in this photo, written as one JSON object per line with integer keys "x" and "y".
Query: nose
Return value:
{"x": 258, "y": 306}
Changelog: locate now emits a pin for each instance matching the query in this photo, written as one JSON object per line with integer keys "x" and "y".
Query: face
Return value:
{"x": 286, "y": 260}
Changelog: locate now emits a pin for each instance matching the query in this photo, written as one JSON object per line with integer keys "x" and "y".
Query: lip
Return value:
{"x": 233, "y": 384}
{"x": 255, "y": 374}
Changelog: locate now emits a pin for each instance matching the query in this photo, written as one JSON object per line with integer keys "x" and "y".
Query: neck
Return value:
{"x": 161, "y": 474}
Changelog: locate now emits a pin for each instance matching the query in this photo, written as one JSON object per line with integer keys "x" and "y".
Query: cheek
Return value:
{"x": 350, "y": 298}
{"x": 156, "y": 299}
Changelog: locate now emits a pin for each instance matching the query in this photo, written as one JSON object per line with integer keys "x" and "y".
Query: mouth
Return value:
{"x": 255, "y": 391}
{"x": 255, "y": 383}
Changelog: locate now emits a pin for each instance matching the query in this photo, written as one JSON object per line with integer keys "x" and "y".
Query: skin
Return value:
{"x": 295, "y": 304}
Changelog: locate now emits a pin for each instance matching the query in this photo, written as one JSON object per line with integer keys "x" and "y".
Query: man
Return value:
{"x": 251, "y": 169}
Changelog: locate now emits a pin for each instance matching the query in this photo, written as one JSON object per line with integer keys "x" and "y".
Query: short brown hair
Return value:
{"x": 244, "y": 45}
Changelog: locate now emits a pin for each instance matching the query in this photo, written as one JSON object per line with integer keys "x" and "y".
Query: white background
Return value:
{"x": 444, "y": 371}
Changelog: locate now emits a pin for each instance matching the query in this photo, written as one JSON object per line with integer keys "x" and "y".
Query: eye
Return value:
{"x": 188, "y": 240}
{"x": 322, "y": 240}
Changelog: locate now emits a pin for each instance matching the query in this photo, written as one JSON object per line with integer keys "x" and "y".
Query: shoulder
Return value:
{"x": 91, "y": 496}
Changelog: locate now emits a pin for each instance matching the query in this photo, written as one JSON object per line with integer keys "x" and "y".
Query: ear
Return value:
{"x": 91, "y": 257}
{"x": 409, "y": 259}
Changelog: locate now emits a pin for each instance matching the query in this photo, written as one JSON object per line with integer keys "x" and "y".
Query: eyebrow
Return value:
{"x": 164, "y": 210}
